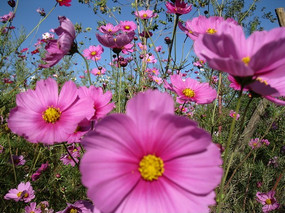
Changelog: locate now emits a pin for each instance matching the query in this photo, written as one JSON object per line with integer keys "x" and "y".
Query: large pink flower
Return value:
{"x": 150, "y": 160}
{"x": 203, "y": 25}
{"x": 228, "y": 50}
{"x": 179, "y": 7}
{"x": 192, "y": 90}
{"x": 44, "y": 116}
{"x": 57, "y": 49}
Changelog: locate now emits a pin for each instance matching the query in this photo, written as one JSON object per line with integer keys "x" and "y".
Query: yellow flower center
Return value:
{"x": 262, "y": 81}
{"x": 151, "y": 167}
{"x": 190, "y": 31}
{"x": 73, "y": 211}
{"x": 145, "y": 15}
{"x": 32, "y": 212}
{"x": 268, "y": 201}
{"x": 127, "y": 27}
{"x": 26, "y": 195}
{"x": 254, "y": 144}
{"x": 93, "y": 53}
{"x": 19, "y": 194}
{"x": 188, "y": 93}
{"x": 246, "y": 60}
{"x": 211, "y": 31}
{"x": 51, "y": 115}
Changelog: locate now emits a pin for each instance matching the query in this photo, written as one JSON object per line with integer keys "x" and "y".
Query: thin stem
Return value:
{"x": 215, "y": 104}
{"x": 35, "y": 161}
{"x": 227, "y": 147}
{"x": 277, "y": 181}
{"x": 172, "y": 40}
{"x": 70, "y": 155}
{"x": 12, "y": 160}
{"x": 87, "y": 67}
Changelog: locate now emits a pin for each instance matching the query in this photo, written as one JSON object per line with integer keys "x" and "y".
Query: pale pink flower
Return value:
{"x": 57, "y": 49}
{"x": 32, "y": 208}
{"x": 43, "y": 115}
{"x": 18, "y": 160}
{"x": 41, "y": 11}
{"x": 179, "y": 7}
{"x": 150, "y": 160}
{"x": 152, "y": 71}
{"x": 24, "y": 192}
{"x": 199, "y": 63}
{"x": 101, "y": 101}
{"x": 145, "y": 14}
{"x": 157, "y": 80}
{"x": 273, "y": 161}
{"x": 142, "y": 46}
{"x": 233, "y": 114}
{"x": 128, "y": 26}
{"x": 268, "y": 201}
{"x": 150, "y": 59}
{"x": 97, "y": 71}
{"x": 158, "y": 49}
{"x": 128, "y": 48}
{"x": 254, "y": 143}
{"x": 93, "y": 52}
{"x": 109, "y": 29}
{"x": 192, "y": 90}
{"x": 8, "y": 17}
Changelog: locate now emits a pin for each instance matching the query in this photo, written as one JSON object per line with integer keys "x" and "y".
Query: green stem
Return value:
{"x": 35, "y": 161}
{"x": 12, "y": 160}
{"x": 215, "y": 104}
{"x": 171, "y": 44}
{"x": 227, "y": 147}
{"x": 87, "y": 67}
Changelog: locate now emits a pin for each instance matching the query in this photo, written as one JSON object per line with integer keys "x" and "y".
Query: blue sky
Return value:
{"x": 27, "y": 17}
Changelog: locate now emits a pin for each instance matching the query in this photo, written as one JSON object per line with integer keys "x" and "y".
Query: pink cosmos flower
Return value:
{"x": 128, "y": 26}
{"x": 152, "y": 71}
{"x": 64, "y": 3}
{"x": 234, "y": 84}
{"x": 46, "y": 36}
{"x": 192, "y": 90}
{"x": 8, "y": 17}
{"x": 150, "y": 160}
{"x": 82, "y": 128}
{"x": 24, "y": 192}
{"x": 74, "y": 152}
{"x": 128, "y": 48}
{"x": 150, "y": 59}
{"x": 142, "y": 46}
{"x": 254, "y": 143}
{"x": 97, "y": 71}
{"x": 268, "y": 201}
{"x": 235, "y": 115}
{"x": 116, "y": 42}
{"x": 80, "y": 206}
{"x": 43, "y": 115}
{"x": 199, "y": 63}
{"x": 260, "y": 55}
{"x": 109, "y": 29}
{"x": 179, "y": 7}
{"x": 203, "y": 25}
{"x": 100, "y": 100}
{"x": 32, "y": 208}
{"x": 57, "y": 49}
{"x": 145, "y": 14}
{"x": 265, "y": 142}
{"x": 93, "y": 52}
{"x": 157, "y": 79}
{"x": 18, "y": 160}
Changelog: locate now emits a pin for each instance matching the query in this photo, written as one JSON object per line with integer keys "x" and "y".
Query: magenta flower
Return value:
{"x": 203, "y": 25}
{"x": 57, "y": 49}
{"x": 116, "y": 42}
{"x": 265, "y": 142}
{"x": 235, "y": 115}
{"x": 254, "y": 143}
{"x": 150, "y": 160}
{"x": 18, "y": 160}
{"x": 128, "y": 26}
{"x": 82, "y": 128}
{"x": 145, "y": 14}
{"x": 43, "y": 115}
{"x": 8, "y": 17}
{"x": 93, "y": 52}
{"x": 267, "y": 200}
{"x": 109, "y": 29}
{"x": 101, "y": 101}
{"x": 32, "y": 208}
{"x": 35, "y": 176}
{"x": 262, "y": 53}
{"x": 179, "y": 7}
{"x": 24, "y": 192}
{"x": 67, "y": 159}
{"x": 80, "y": 206}
{"x": 192, "y": 90}
{"x": 64, "y": 3}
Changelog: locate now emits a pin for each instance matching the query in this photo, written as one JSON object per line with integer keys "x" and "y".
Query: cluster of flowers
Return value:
{"x": 257, "y": 143}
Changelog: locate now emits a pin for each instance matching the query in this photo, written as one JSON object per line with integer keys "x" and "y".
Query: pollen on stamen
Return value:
{"x": 211, "y": 31}
{"x": 246, "y": 60}
{"x": 51, "y": 114}
{"x": 188, "y": 93}
{"x": 151, "y": 167}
